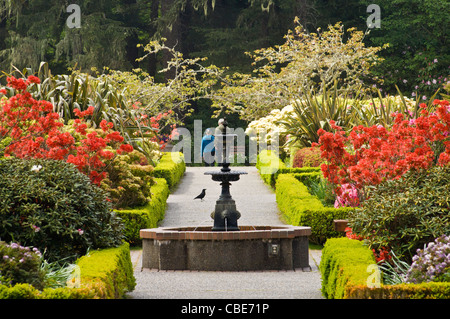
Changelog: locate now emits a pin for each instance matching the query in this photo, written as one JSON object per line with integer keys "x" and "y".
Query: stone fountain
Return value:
{"x": 226, "y": 246}
{"x": 225, "y": 214}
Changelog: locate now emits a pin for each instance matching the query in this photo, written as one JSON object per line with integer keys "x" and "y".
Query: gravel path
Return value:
{"x": 257, "y": 205}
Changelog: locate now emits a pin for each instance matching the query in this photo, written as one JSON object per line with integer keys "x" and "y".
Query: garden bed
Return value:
{"x": 146, "y": 216}
{"x": 104, "y": 274}
{"x": 345, "y": 273}
{"x": 270, "y": 166}
{"x": 168, "y": 173}
{"x": 297, "y": 205}
{"x": 300, "y": 208}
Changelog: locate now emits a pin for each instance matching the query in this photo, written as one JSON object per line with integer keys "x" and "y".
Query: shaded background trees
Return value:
{"x": 222, "y": 30}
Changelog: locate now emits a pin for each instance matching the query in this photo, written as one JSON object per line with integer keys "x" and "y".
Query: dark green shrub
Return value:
{"x": 129, "y": 180}
{"x": 105, "y": 274}
{"x": 52, "y": 206}
{"x": 405, "y": 214}
{"x": 307, "y": 157}
{"x": 20, "y": 264}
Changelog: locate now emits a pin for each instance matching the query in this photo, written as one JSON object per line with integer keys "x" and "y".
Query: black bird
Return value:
{"x": 202, "y": 194}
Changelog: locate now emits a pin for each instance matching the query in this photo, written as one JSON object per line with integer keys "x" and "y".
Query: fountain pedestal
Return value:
{"x": 225, "y": 214}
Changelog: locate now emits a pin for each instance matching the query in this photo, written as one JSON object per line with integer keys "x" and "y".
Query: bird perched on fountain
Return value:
{"x": 202, "y": 195}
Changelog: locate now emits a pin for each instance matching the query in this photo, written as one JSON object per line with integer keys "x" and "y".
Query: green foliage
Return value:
{"x": 51, "y": 205}
{"x": 147, "y": 216}
{"x": 313, "y": 111}
{"x": 105, "y": 274}
{"x": 57, "y": 273}
{"x": 19, "y": 291}
{"x": 20, "y": 265}
{"x": 171, "y": 167}
{"x": 378, "y": 110}
{"x": 318, "y": 186}
{"x": 394, "y": 270}
{"x": 418, "y": 50}
{"x": 407, "y": 213}
{"x": 230, "y": 29}
{"x": 307, "y": 157}
{"x": 36, "y": 30}
{"x": 344, "y": 264}
{"x": 300, "y": 208}
{"x": 270, "y": 166}
{"x": 129, "y": 180}
{"x": 4, "y": 142}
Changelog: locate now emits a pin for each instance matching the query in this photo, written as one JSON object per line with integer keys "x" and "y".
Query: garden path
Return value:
{"x": 257, "y": 205}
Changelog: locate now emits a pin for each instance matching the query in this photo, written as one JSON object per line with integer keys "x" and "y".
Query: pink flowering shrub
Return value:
{"x": 348, "y": 197}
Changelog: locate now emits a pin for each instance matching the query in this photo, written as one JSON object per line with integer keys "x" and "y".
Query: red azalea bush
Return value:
{"x": 162, "y": 126}
{"x": 371, "y": 155}
{"x": 35, "y": 131}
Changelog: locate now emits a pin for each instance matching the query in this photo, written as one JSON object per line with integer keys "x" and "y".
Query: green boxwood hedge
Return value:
{"x": 146, "y": 216}
{"x": 344, "y": 272}
{"x": 268, "y": 164}
{"x": 270, "y": 167}
{"x": 104, "y": 274}
{"x": 171, "y": 167}
{"x": 300, "y": 208}
{"x": 343, "y": 264}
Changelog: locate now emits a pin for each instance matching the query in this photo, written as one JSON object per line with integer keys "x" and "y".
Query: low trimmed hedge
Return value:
{"x": 428, "y": 290}
{"x": 146, "y": 216}
{"x": 344, "y": 272}
{"x": 268, "y": 164}
{"x": 270, "y": 167}
{"x": 343, "y": 265}
{"x": 171, "y": 167}
{"x": 104, "y": 274}
{"x": 300, "y": 208}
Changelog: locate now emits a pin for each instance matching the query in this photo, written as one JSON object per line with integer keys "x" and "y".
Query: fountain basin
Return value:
{"x": 249, "y": 249}
{"x": 229, "y": 176}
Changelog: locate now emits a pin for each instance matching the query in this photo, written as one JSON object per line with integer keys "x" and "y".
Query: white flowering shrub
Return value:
{"x": 267, "y": 130}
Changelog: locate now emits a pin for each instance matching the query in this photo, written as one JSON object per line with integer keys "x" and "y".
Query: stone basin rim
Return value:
{"x": 231, "y": 172}
{"x": 205, "y": 233}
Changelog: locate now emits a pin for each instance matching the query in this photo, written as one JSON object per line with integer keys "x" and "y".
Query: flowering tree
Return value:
{"x": 305, "y": 61}
{"x": 35, "y": 131}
